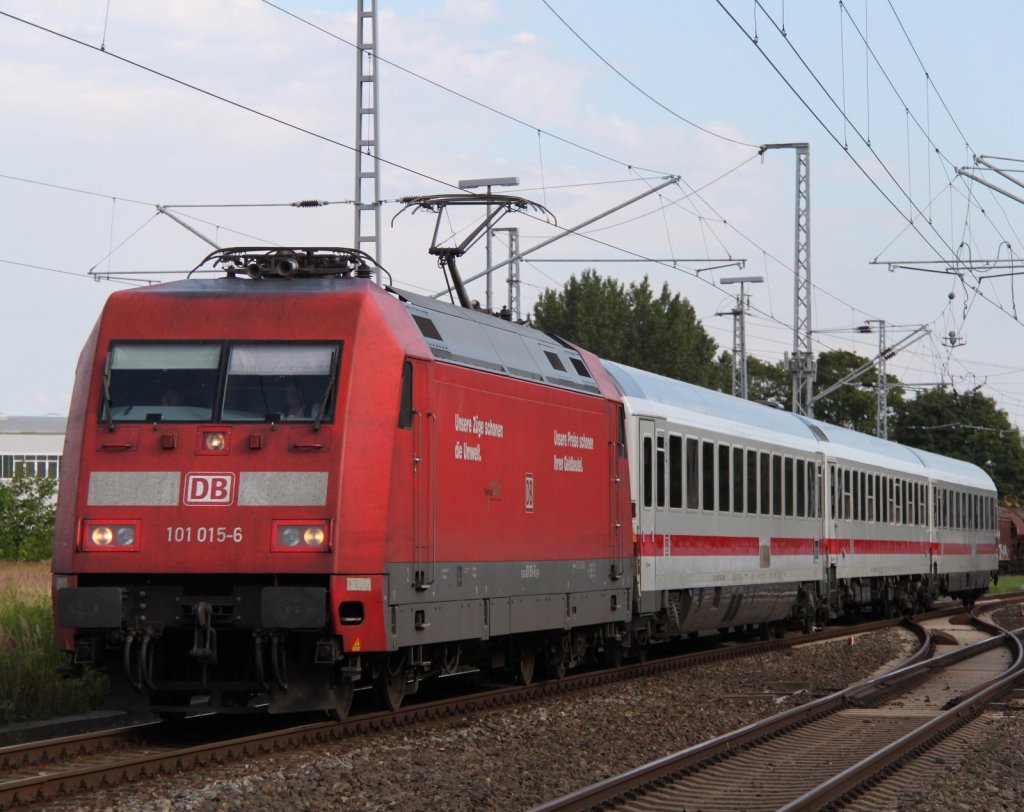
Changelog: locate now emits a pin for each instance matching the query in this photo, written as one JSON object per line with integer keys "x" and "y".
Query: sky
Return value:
{"x": 111, "y": 108}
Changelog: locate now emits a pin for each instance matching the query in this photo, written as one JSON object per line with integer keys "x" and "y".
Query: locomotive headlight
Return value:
{"x": 288, "y": 537}
{"x": 104, "y": 536}
{"x": 214, "y": 440}
{"x": 313, "y": 537}
{"x": 295, "y": 537}
{"x": 124, "y": 536}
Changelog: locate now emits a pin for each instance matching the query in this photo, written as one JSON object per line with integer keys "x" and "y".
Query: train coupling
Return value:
{"x": 204, "y": 636}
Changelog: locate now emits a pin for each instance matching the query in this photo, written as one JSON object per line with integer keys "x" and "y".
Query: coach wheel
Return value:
{"x": 342, "y": 693}
{"x": 389, "y": 684}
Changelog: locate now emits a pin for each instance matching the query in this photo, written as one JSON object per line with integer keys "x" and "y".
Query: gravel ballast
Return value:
{"x": 514, "y": 758}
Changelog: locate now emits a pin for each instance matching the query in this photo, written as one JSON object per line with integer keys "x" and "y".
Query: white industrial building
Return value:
{"x": 31, "y": 443}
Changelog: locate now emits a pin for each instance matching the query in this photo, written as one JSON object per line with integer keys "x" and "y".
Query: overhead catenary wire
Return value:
{"x": 639, "y": 89}
{"x": 209, "y": 93}
{"x": 467, "y": 98}
{"x": 703, "y": 223}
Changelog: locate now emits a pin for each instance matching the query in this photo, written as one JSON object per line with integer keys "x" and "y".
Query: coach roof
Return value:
{"x": 748, "y": 419}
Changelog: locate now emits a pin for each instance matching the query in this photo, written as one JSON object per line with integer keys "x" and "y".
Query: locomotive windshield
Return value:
{"x": 185, "y": 382}
{"x": 162, "y": 382}
{"x": 278, "y": 382}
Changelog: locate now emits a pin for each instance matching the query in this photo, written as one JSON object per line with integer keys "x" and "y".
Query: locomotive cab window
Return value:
{"x": 150, "y": 382}
{"x": 280, "y": 382}
{"x": 169, "y": 382}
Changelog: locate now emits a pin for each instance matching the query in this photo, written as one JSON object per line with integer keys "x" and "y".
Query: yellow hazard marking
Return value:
{"x": 357, "y": 645}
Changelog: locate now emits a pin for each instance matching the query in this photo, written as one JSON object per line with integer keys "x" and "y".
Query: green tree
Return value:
{"x": 27, "y": 510}
{"x": 968, "y": 426}
{"x": 853, "y": 405}
{"x": 631, "y": 325}
{"x": 771, "y": 384}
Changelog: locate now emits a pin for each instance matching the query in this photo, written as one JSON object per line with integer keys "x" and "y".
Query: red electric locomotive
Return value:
{"x": 288, "y": 481}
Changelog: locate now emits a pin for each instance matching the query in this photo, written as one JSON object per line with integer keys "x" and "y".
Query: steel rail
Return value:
{"x": 662, "y": 771}
{"x": 663, "y": 768}
{"x": 73, "y": 779}
{"x": 970, "y": 705}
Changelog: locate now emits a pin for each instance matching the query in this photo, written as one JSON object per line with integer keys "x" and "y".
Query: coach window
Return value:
{"x": 776, "y": 484}
{"x": 648, "y": 463}
{"x": 863, "y": 496}
{"x": 855, "y": 493}
{"x": 675, "y": 471}
{"x": 766, "y": 483}
{"x": 737, "y": 480}
{"x": 833, "y": 491}
{"x": 661, "y": 470}
{"x": 801, "y": 488}
{"x": 848, "y": 477}
{"x": 751, "y": 481}
{"x": 814, "y": 499}
{"x": 787, "y": 467}
{"x": 869, "y": 497}
{"x": 724, "y": 477}
{"x": 152, "y": 382}
{"x": 692, "y": 475}
{"x": 708, "y": 475}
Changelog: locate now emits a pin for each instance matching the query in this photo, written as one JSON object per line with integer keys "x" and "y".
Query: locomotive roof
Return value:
{"x": 476, "y": 338}
{"x": 239, "y": 284}
{"x": 747, "y": 419}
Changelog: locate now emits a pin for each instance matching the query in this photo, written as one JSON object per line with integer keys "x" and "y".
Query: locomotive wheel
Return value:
{"x": 613, "y": 655}
{"x": 389, "y": 684}
{"x": 524, "y": 666}
{"x": 342, "y": 692}
{"x": 557, "y": 657}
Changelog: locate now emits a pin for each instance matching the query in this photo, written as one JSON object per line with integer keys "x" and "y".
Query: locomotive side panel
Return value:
{"x": 515, "y": 524}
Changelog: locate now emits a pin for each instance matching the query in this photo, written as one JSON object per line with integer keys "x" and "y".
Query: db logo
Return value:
{"x": 209, "y": 489}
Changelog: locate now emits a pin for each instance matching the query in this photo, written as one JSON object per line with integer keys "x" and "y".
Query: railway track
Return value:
{"x": 79, "y": 764}
{"x": 829, "y": 751}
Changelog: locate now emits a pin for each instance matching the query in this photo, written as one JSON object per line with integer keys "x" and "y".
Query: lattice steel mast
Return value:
{"x": 367, "y": 197}
{"x": 802, "y": 361}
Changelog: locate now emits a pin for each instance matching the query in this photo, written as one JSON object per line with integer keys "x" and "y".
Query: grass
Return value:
{"x": 1007, "y": 583}
{"x": 31, "y": 688}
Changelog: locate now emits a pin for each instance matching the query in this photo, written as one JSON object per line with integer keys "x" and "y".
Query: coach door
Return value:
{"x": 424, "y": 472}
{"x": 648, "y": 479}
{"x": 616, "y": 469}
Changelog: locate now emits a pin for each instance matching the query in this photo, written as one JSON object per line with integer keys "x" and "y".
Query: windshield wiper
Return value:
{"x": 108, "y": 401}
{"x": 327, "y": 392}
